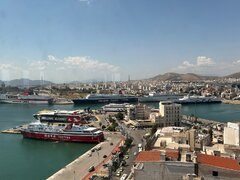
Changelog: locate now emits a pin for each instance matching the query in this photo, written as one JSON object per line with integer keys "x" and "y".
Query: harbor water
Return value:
{"x": 33, "y": 159}
{"x": 217, "y": 112}
{"x": 30, "y": 159}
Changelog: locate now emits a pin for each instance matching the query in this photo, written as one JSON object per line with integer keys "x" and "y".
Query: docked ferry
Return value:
{"x": 62, "y": 116}
{"x": 113, "y": 107}
{"x": 25, "y": 99}
{"x": 106, "y": 98}
{"x": 69, "y": 133}
{"x": 157, "y": 97}
{"x": 195, "y": 99}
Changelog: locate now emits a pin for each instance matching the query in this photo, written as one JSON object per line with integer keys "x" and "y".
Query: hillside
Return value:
{"x": 181, "y": 77}
{"x": 26, "y": 83}
{"x": 234, "y": 75}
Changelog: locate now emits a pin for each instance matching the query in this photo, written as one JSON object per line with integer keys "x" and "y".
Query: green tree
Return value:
{"x": 119, "y": 116}
{"x": 111, "y": 128}
{"x": 154, "y": 129}
{"x": 211, "y": 133}
{"x": 111, "y": 120}
{"x": 128, "y": 142}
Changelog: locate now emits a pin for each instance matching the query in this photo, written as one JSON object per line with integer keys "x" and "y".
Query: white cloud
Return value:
{"x": 9, "y": 71}
{"x": 61, "y": 70}
{"x": 206, "y": 65}
{"x": 236, "y": 62}
{"x": 8, "y": 67}
{"x": 87, "y": 63}
{"x": 186, "y": 64}
{"x": 204, "y": 61}
{"x": 85, "y": 1}
{"x": 201, "y": 61}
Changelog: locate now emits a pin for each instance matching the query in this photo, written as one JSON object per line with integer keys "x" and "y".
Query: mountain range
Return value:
{"x": 25, "y": 83}
{"x": 165, "y": 77}
{"x": 189, "y": 77}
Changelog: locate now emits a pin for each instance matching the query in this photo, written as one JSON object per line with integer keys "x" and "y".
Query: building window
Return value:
{"x": 215, "y": 173}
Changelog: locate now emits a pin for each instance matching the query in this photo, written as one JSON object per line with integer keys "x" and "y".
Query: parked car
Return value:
{"x": 118, "y": 174}
{"x": 93, "y": 150}
{"x": 121, "y": 169}
{"x": 105, "y": 165}
{"x": 98, "y": 148}
{"x": 92, "y": 168}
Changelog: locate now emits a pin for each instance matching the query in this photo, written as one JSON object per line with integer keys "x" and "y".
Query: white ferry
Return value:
{"x": 198, "y": 99}
{"x": 156, "y": 97}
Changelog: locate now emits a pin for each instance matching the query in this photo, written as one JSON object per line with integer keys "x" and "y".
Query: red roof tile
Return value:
{"x": 148, "y": 156}
{"x": 172, "y": 154}
{"x": 222, "y": 162}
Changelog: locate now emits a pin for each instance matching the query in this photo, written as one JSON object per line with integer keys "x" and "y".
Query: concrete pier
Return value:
{"x": 78, "y": 169}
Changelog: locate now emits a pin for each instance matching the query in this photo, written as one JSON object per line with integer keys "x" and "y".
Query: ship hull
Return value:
{"x": 63, "y": 137}
{"x": 158, "y": 99}
{"x": 92, "y": 101}
{"x": 31, "y": 99}
{"x": 24, "y": 102}
{"x": 198, "y": 102}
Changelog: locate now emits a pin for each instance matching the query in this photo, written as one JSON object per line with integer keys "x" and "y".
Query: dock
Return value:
{"x": 78, "y": 169}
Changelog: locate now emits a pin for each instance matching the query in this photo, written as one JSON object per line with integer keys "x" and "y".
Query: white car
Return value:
{"x": 118, "y": 174}
{"x": 121, "y": 169}
{"x": 98, "y": 148}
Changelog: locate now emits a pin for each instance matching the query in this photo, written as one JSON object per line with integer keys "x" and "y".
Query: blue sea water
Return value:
{"x": 33, "y": 159}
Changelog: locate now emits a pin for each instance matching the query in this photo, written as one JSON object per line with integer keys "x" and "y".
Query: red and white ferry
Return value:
{"x": 63, "y": 116}
{"x": 70, "y": 133}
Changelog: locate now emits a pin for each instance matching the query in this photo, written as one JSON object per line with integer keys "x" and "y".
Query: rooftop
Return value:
{"x": 148, "y": 156}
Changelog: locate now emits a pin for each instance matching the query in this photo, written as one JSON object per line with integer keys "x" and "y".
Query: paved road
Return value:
{"x": 101, "y": 118}
{"x": 78, "y": 169}
{"x": 137, "y": 136}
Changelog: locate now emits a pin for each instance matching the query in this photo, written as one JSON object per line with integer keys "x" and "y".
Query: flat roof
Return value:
{"x": 148, "y": 156}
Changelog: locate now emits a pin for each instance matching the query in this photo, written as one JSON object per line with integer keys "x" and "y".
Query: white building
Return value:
{"x": 139, "y": 112}
{"x": 232, "y": 134}
{"x": 170, "y": 113}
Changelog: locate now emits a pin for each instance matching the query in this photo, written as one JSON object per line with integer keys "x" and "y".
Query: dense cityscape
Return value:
{"x": 136, "y": 140}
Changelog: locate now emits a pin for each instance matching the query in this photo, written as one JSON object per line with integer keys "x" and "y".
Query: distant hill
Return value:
{"x": 26, "y": 83}
{"x": 234, "y": 75}
{"x": 182, "y": 77}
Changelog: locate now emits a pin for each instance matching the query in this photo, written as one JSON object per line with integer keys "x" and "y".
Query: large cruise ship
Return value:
{"x": 25, "y": 99}
{"x": 106, "y": 98}
{"x": 194, "y": 99}
{"x": 157, "y": 97}
{"x": 70, "y": 133}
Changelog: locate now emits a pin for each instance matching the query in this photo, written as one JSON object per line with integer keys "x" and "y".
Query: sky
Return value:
{"x": 86, "y": 40}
